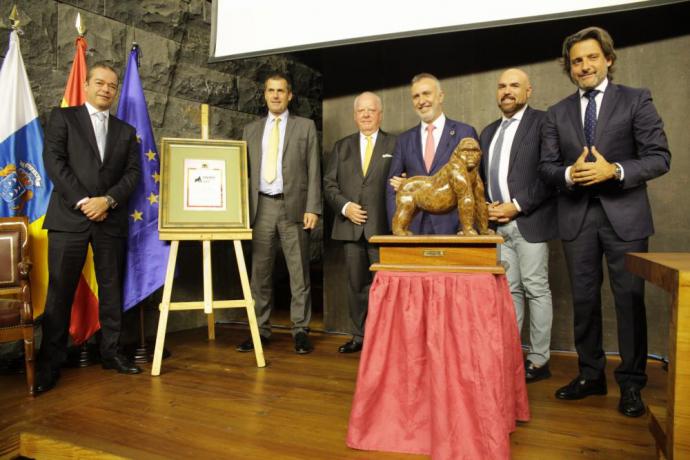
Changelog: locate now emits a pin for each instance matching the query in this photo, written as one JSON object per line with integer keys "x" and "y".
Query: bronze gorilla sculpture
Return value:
{"x": 457, "y": 184}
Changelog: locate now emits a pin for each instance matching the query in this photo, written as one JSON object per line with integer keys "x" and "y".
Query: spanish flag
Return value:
{"x": 84, "y": 322}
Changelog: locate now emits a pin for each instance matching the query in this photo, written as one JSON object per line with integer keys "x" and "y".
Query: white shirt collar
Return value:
{"x": 439, "y": 123}
{"x": 283, "y": 116}
{"x": 517, "y": 116}
{"x": 601, "y": 87}
{"x": 373, "y": 135}
{"x": 93, "y": 110}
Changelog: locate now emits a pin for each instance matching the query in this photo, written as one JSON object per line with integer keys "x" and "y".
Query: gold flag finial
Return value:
{"x": 14, "y": 18}
{"x": 81, "y": 28}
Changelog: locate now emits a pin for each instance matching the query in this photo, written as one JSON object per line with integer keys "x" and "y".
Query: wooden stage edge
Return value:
{"x": 212, "y": 402}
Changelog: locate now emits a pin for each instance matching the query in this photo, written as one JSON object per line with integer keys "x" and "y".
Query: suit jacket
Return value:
{"x": 409, "y": 158}
{"x": 629, "y": 131}
{"x": 537, "y": 218}
{"x": 74, "y": 166}
{"x": 301, "y": 166}
{"x": 344, "y": 181}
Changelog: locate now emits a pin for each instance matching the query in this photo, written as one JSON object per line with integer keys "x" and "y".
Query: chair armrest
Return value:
{"x": 25, "y": 267}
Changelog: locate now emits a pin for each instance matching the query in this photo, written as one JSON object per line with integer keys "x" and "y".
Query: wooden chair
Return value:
{"x": 16, "y": 311}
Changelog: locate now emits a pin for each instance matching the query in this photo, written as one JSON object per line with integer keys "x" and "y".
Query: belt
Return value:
{"x": 277, "y": 196}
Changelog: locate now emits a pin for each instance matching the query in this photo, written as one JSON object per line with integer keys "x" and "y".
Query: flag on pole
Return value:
{"x": 24, "y": 186}
{"x": 147, "y": 256}
{"x": 74, "y": 91}
{"x": 84, "y": 321}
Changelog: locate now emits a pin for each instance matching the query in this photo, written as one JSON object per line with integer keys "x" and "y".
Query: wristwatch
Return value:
{"x": 111, "y": 202}
{"x": 618, "y": 172}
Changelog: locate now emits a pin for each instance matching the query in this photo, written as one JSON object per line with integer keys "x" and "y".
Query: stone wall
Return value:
{"x": 177, "y": 78}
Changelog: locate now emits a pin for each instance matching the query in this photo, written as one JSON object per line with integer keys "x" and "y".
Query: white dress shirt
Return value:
{"x": 275, "y": 187}
{"x": 439, "y": 123}
{"x": 504, "y": 163}
{"x": 362, "y": 151}
{"x": 92, "y": 115}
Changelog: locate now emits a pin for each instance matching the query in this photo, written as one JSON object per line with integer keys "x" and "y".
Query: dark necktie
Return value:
{"x": 591, "y": 117}
{"x": 496, "y": 161}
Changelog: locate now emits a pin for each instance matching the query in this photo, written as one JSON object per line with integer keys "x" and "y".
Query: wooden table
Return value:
{"x": 670, "y": 425}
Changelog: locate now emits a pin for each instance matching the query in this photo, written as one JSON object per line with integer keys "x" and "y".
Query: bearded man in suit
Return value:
{"x": 424, "y": 149}
{"x": 92, "y": 158}
{"x": 284, "y": 206}
{"x": 355, "y": 187}
{"x": 600, "y": 146}
{"x": 523, "y": 209}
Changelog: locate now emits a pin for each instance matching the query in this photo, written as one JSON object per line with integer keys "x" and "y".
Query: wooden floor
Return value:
{"x": 212, "y": 402}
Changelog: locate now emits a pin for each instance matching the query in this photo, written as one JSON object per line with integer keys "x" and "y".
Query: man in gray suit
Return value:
{"x": 355, "y": 187}
{"x": 284, "y": 205}
{"x": 523, "y": 208}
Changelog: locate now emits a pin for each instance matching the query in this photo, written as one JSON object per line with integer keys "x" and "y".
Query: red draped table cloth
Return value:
{"x": 441, "y": 372}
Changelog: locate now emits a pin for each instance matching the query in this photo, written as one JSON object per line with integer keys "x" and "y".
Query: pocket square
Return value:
{"x": 386, "y": 155}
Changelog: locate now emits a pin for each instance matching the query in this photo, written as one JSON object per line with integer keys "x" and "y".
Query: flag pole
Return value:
{"x": 141, "y": 354}
{"x": 85, "y": 359}
{"x": 80, "y": 26}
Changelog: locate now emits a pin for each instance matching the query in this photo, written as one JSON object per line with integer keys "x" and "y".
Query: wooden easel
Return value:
{"x": 207, "y": 304}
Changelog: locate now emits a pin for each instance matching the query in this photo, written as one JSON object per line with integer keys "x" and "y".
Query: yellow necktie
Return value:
{"x": 271, "y": 163}
{"x": 367, "y": 155}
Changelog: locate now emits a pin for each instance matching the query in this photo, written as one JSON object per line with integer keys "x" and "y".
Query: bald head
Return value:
{"x": 513, "y": 91}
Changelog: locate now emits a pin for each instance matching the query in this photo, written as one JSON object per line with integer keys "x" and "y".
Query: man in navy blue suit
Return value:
{"x": 600, "y": 146}
{"x": 424, "y": 149}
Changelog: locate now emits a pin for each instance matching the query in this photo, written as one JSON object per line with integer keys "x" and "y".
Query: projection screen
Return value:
{"x": 245, "y": 28}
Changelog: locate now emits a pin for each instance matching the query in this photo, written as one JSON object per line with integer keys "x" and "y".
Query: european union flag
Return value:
{"x": 147, "y": 256}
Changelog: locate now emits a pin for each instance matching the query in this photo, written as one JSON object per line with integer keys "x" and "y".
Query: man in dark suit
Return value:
{"x": 600, "y": 146}
{"x": 355, "y": 187}
{"x": 92, "y": 159}
{"x": 523, "y": 209}
{"x": 284, "y": 206}
{"x": 424, "y": 149}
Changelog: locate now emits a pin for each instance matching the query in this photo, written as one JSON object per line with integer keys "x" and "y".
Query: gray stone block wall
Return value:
{"x": 173, "y": 36}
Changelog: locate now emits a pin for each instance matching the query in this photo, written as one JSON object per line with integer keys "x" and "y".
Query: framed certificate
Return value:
{"x": 204, "y": 185}
{"x": 204, "y": 189}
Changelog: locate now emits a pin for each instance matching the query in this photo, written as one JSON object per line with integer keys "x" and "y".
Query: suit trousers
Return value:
{"x": 66, "y": 255}
{"x": 528, "y": 277}
{"x": 584, "y": 258}
{"x": 359, "y": 255}
{"x": 272, "y": 228}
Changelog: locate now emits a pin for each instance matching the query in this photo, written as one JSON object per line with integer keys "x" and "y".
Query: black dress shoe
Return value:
{"x": 46, "y": 381}
{"x": 580, "y": 388}
{"x": 120, "y": 364}
{"x": 302, "y": 344}
{"x": 350, "y": 347}
{"x": 534, "y": 374}
{"x": 248, "y": 345}
{"x": 631, "y": 404}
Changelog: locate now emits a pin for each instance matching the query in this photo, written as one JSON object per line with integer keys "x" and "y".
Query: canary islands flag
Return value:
{"x": 24, "y": 185}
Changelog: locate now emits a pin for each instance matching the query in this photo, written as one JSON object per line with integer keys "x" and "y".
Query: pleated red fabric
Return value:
{"x": 441, "y": 372}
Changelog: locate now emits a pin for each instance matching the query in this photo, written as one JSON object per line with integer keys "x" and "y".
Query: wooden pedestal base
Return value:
{"x": 439, "y": 253}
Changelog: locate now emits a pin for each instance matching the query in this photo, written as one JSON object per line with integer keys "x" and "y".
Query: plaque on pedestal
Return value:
{"x": 439, "y": 253}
